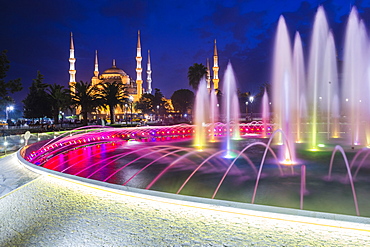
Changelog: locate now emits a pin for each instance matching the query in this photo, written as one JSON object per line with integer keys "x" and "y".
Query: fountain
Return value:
{"x": 201, "y": 114}
{"x": 230, "y": 109}
{"x": 309, "y": 114}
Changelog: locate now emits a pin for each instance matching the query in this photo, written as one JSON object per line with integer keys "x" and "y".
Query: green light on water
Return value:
{"x": 229, "y": 155}
{"x": 237, "y": 138}
{"x": 321, "y": 145}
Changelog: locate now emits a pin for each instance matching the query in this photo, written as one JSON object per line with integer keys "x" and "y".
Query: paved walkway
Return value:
{"x": 48, "y": 211}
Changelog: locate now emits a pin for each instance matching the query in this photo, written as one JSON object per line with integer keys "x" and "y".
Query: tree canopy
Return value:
{"x": 7, "y": 87}
{"x": 195, "y": 73}
{"x": 146, "y": 104}
{"x": 159, "y": 102}
{"x": 59, "y": 100}
{"x": 110, "y": 95}
{"x": 37, "y": 103}
{"x": 182, "y": 100}
{"x": 84, "y": 97}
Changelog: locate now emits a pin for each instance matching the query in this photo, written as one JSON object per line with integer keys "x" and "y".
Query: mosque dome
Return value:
{"x": 115, "y": 70}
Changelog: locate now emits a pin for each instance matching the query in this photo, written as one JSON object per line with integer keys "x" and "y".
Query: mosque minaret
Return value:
{"x": 215, "y": 68}
{"x": 96, "y": 70}
{"x": 149, "y": 75}
{"x": 208, "y": 78}
{"x": 139, "y": 80}
{"x": 72, "y": 69}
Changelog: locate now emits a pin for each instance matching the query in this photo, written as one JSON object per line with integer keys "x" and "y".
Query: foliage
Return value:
{"x": 159, "y": 102}
{"x": 7, "y": 87}
{"x": 59, "y": 99}
{"x": 37, "y": 103}
{"x": 243, "y": 98}
{"x": 195, "y": 74}
{"x": 182, "y": 100}
{"x": 146, "y": 104}
{"x": 110, "y": 95}
{"x": 262, "y": 88}
{"x": 84, "y": 96}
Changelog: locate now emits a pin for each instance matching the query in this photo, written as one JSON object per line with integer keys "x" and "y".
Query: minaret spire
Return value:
{"x": 95, "y": 79}
{"x": 96, "y": 71}
{"x": 139, "y": 80}
{"x": 149, "y": 74}
{"x": 215, "y": 68}
{"x": 208, "y": 79}
{"x": 72, "y": 61}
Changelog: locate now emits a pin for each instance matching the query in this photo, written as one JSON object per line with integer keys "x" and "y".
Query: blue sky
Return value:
{"x": 178, "y": 34}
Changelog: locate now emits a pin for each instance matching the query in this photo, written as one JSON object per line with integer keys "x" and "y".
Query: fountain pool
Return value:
{"x": 314, "y": 156}
{"x": 164, "y": 159}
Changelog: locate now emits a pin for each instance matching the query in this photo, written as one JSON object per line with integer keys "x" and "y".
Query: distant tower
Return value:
{"x": 215, "y": 68}
{"x": 208, "y": 79}
{"x": 72, "y": 61}
{"x": 96, "y": 71}
{"x": 139, "y": 80}
{"x": 95, "y": 79}
{"x": 149, "y": 74}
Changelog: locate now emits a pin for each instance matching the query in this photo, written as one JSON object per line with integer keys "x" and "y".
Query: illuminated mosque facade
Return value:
{"x": 133, "y": 87}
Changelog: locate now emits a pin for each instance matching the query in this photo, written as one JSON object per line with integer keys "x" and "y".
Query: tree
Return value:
{"x": 159, "y": 103}
{"x": 195, "y": 73}
{"x": 37, "y": 104}
{"x": 110, "y": 95}
{"x": 261, "y": 90}
{"x": 182, "y": 100}
{"x": 7, "y": 87}
{"x": 59, "y": 100}
{"x": 84, "y": 96}
{"x": 146, "y": 104}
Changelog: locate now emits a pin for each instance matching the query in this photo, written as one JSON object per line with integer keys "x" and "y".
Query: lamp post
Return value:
{"x": 157, "y": 112}
{"x": 7, "y": 110}
{"x": 251, "y": 99}
{"x": 125, "y": 113}
{"x": 131, "y": 101}
{"x": 62, "y": 118}
{"x": 246, "y": 111}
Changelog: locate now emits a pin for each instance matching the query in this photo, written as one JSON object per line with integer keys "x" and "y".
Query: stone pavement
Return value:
{"x": 13, "y": 175}
{"x": 49, "y": 211}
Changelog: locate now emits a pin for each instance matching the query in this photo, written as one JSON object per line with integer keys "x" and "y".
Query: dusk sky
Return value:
{"x": 178, "y": 34}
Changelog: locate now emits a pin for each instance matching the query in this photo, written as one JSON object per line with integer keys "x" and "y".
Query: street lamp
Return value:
{"x": 157, "y": 112}
{"x": 7, "y": 110}
{"x": 62, "y": 118}
{"x": 131, "y": 98}
{"x": 246, "y": 110}
{"x": 251, "y": 99}
{"x": 125, "y": 113}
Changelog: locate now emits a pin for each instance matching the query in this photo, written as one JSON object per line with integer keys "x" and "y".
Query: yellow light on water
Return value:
{"x": 288, "y": 162}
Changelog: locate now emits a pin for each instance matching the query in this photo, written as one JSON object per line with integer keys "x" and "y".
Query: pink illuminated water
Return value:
{"x": 230, "y": 108}
{"x": 162, "y": 158}
{"x": 201, "y": 114}
{"x": 299, "y": 78}
{"x": 285, "y": 103}
{"x": 265, "y": 113}
{"x": 356, "y": 79}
